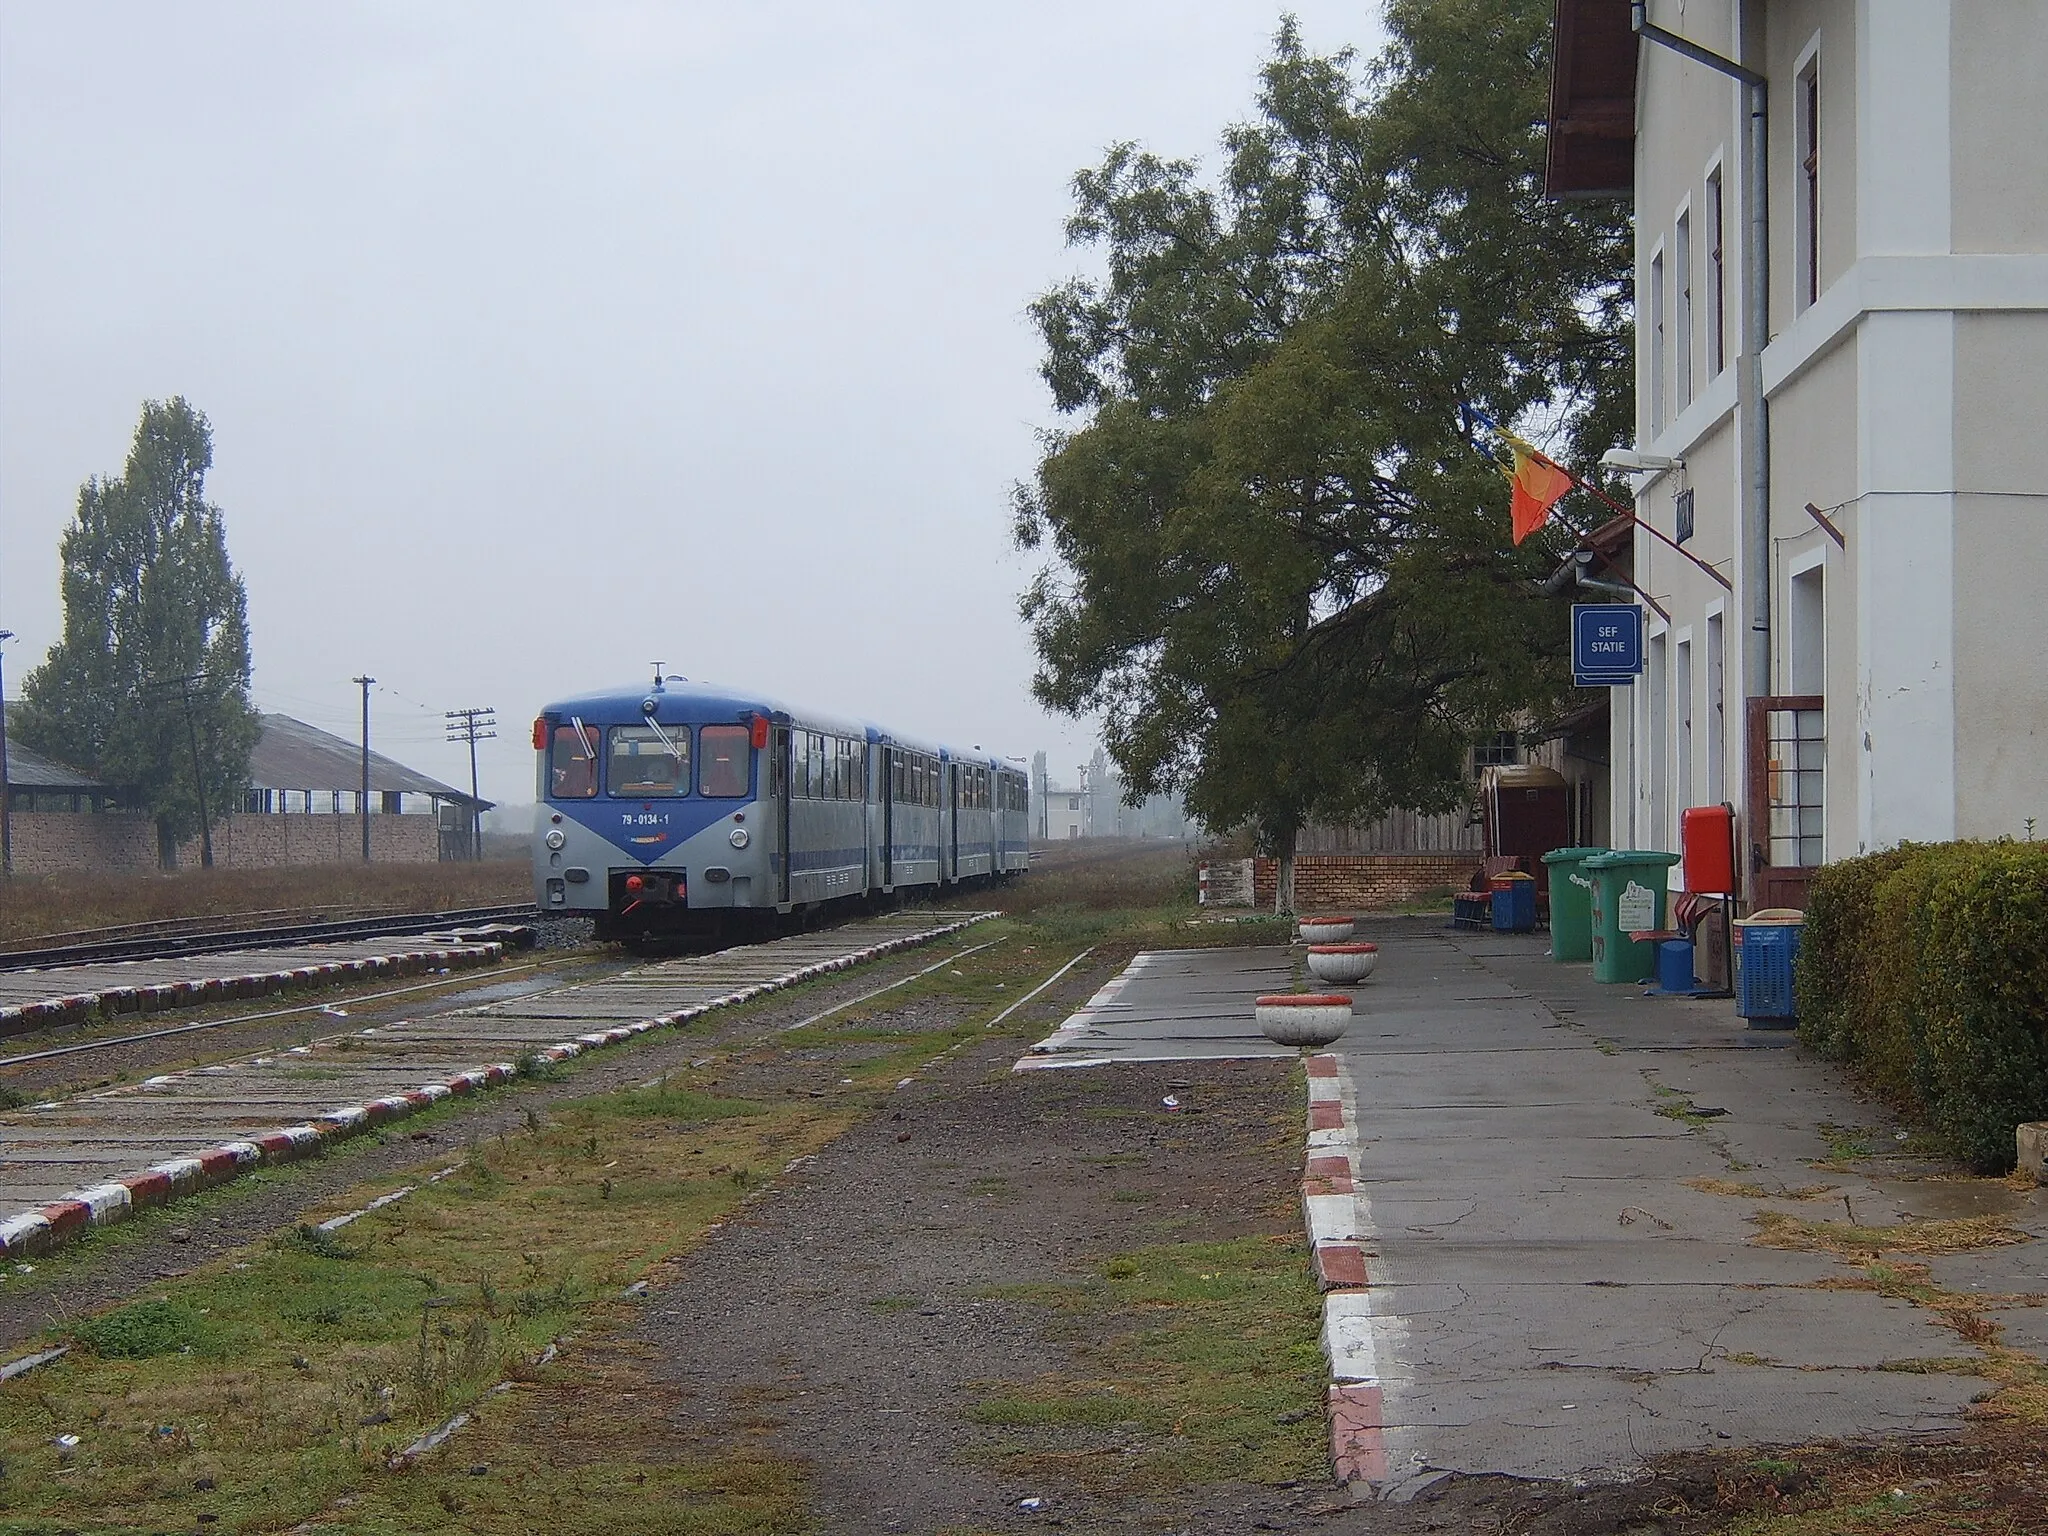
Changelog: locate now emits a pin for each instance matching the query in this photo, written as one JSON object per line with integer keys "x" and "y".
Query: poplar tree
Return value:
{"x": 154, "y": 659}
{"x": 1280, "y": 560}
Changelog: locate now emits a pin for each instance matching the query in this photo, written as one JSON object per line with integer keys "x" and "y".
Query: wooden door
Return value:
{"x": 1784, "y": 783}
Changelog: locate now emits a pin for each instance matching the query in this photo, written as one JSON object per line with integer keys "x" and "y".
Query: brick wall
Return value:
{"x": 114, "y": 842}
{"x": 270, "y": 842}
{"x": 111, "y": 842}
{"x": 1334, "y": 881}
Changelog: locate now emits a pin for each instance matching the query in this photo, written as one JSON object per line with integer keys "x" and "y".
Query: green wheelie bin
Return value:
{"x": 1571, "y": 903}
{"x": 1629, "y": 887}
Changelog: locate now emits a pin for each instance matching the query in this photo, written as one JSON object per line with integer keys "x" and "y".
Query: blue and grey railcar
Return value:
{"x": 681, "y": 808}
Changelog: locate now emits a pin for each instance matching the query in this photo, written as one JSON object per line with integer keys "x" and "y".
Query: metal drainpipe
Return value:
{"x": 1755, "y": 542}
{"x": 1756, "y": 335}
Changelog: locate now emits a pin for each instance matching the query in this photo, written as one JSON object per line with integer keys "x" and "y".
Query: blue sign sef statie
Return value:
{"x": 1607, "y": 644}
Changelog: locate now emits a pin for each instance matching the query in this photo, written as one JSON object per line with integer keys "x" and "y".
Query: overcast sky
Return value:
{"x": 541, "y": 341}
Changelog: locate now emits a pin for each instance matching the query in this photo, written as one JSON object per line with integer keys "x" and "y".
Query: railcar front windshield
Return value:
{"x": 723, "y": 771}
{"x": 648, "y": 764}
{"x": 572, "y": 763}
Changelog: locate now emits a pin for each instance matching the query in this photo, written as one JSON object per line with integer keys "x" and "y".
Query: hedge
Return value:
{"x": 1926, "y": 967}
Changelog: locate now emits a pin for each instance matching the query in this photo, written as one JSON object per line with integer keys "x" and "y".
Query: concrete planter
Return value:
{"x": 1326, "y": 930}
{"x": 1342, "y": 965}
{"x": 1303, "y": 1018}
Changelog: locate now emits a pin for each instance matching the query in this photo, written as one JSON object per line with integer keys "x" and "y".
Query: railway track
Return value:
{"x": 173, "y": 939}
{"x": 85, "y": 1161}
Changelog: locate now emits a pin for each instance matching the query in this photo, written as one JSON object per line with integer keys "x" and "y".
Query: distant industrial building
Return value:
{"x": 300, "y": 807}
{"x": 1094, "y": 807}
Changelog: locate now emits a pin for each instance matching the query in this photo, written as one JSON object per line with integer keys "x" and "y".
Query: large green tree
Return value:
{"x": 155, "y": 654}
{"x": 1281, "y": 567}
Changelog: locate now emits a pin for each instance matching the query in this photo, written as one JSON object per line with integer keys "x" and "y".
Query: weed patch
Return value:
{"x": 1963, "y": 1234}
{"x": 143, "y": 1330}
{"x": 270, "y": 1385}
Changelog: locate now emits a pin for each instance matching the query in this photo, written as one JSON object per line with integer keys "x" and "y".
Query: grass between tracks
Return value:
{"x": 275, "y": 1386}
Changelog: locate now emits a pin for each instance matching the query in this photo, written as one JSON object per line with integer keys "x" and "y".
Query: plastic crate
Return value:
{"x": 1763, "y": 987}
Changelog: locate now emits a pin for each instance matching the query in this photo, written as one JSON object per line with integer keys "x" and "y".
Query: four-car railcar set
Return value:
{"x": 680, "y": 808}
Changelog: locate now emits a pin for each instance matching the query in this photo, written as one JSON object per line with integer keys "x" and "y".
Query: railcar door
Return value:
{"x": 783, "y": 785}
{"x": 952, "y": 821}
{"x": 886, "y": 775}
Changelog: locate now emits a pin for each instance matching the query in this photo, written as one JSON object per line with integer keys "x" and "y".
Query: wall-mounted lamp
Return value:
{"x": 1629, "y": 462}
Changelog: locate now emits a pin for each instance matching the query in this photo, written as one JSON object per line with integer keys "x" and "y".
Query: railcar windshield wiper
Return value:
{"x": 673, "y": 750}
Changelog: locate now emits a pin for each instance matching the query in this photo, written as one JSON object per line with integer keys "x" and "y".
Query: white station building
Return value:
{"x": 1856, "y": 446}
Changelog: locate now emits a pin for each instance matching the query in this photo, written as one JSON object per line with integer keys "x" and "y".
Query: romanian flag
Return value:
{"x": 1538, "y": 484}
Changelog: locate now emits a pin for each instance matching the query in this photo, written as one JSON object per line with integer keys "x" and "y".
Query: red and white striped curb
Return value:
{"x": 1330, "y": 1206}
{"x": 49, "y": 1226}
{"x": 1083, "y": 1020}
{"x": 196, "y": 992}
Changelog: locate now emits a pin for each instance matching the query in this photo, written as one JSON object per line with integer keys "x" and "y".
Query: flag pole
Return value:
{"x": 1601, "y": 496}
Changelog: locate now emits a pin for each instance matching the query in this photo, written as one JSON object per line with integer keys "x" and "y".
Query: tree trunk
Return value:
{"x": 1283, "y": 885}
{"x": 166, "y": 846}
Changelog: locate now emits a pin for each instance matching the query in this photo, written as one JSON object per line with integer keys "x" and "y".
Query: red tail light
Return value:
{"x": 760, "y": 736}
{"x": 540, "y": 733}
{"x": 634, "y": 882}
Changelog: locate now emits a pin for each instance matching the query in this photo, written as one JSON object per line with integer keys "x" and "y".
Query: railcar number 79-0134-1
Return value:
{"x": 682, "y": 808}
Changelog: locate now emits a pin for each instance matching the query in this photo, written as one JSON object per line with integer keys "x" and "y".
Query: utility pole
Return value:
{"x": 363, "y": 799}
{"x": 6, "y": 792}
{"x": 184, "y": 687}
{"x": 473, "y": 726}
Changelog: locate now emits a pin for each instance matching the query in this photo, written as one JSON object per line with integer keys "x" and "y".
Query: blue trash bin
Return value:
{"x": 1766, "y": 949}
{"x": 1514, "y": 903}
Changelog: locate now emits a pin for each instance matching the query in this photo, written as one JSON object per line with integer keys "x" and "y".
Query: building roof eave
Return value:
{"x": 1592, "y": 128}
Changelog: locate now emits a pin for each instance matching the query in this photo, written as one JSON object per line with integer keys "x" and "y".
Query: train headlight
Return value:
{"x": 555, "y": 839}
{"x": 738, "y": 837}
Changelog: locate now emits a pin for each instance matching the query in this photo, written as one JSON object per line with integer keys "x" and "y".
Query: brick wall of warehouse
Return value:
{"x": 109, "y": 842}
{"x": 277, "y": 841}
{"x": 1367, "y": 881}
{"x": 116, "y": 842}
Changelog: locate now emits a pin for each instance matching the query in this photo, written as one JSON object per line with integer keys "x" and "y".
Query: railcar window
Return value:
{"x": 572, "y": 763}
{"x": 643, "y": 766}
{"x": 723, "y": 771}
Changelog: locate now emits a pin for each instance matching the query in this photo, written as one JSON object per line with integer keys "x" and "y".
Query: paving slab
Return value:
{"x": 1549, "y": 1186}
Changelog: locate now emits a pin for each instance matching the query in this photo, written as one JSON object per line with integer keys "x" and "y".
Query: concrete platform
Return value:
{"x": 1547, "y": 1196}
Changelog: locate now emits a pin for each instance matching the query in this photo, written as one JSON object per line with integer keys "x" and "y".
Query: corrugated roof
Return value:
{"x": 29, "y": 769}
{"x": 291, "y": 754}
{"x": 1592, "y": 140}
